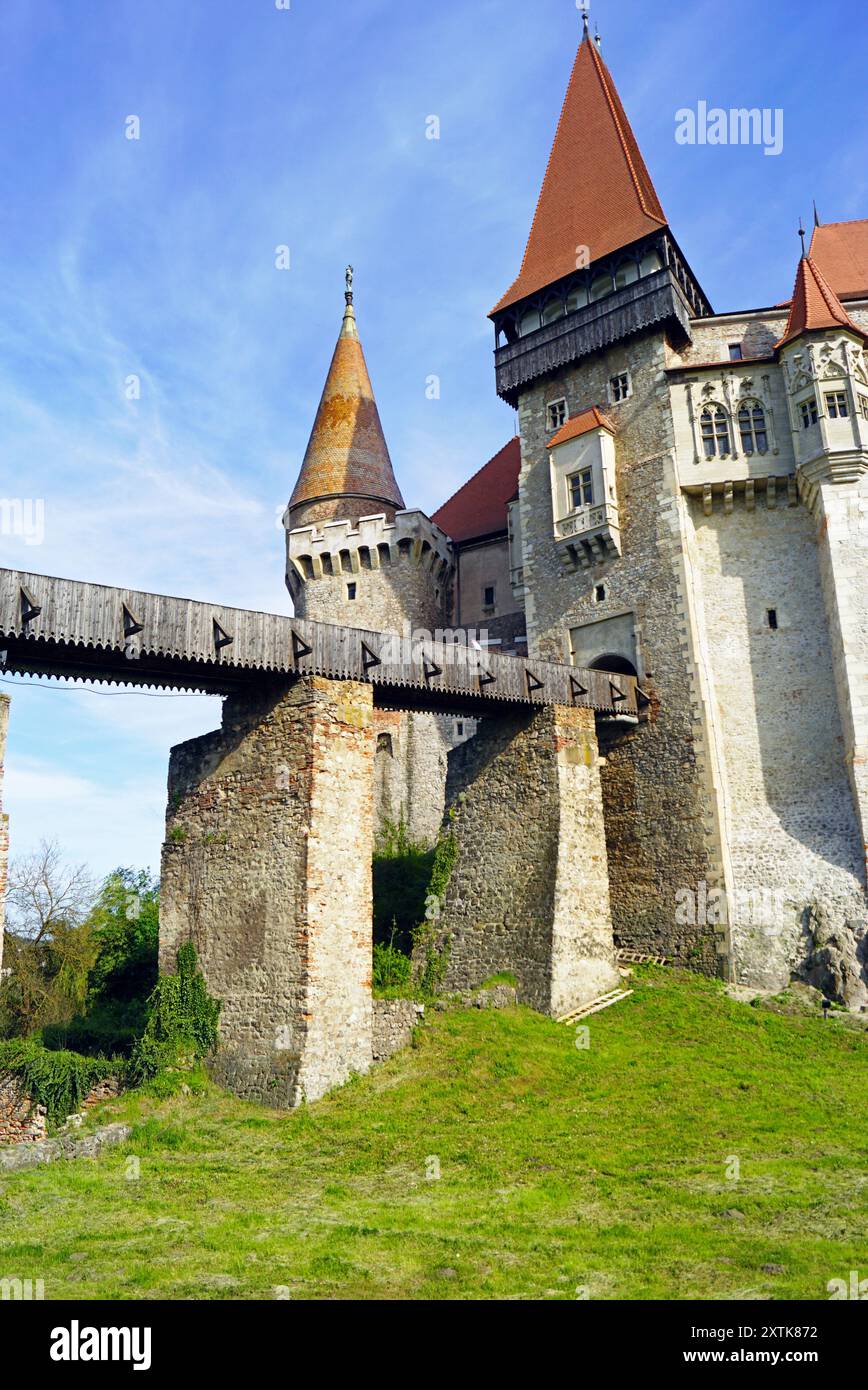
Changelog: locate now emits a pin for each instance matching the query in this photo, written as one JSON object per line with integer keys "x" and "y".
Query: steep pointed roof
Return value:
{"x": 597, "y": 191}
{"x": 814, "y": 304}
{"x": 840, "y": 249}
{"x": 347, "y": 454}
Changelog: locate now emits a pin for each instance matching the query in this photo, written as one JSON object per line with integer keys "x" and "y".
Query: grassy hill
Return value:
{"x": 560, "y": 1169}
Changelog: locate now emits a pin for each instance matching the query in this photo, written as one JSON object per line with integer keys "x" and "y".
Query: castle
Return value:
{"x": 687, "y": 503}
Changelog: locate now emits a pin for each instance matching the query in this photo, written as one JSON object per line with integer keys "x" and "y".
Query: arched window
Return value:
{"x": 529, "y": 322}
{"x": 715, "y": 432}
{"x": 752, "y": 428}
{"x": 615, "y": 663}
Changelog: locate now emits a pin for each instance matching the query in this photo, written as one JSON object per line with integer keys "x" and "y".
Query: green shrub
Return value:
{"x": 392, "y": 969}
{"x": 58, "y": 1080}
{"x": 182, "y": 1021}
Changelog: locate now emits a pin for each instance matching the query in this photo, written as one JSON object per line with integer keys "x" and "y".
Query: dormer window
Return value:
{"x": 809, "y": 413}
{"x": 557, "y": 414}
{"x": 581, "y": 486}
{"x": 735, "y": 352}
{"x": 836, "y": 405}
{"x": 715, "y": 432}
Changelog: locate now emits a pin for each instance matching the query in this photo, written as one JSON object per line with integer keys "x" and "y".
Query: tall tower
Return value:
{"x": 582, "y": 343}
{"x": 355, "y": 554}
{"x": 823, "y": 354}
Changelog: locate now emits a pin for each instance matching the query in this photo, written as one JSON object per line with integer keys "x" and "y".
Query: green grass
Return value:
{"x": 559, "y": 1168}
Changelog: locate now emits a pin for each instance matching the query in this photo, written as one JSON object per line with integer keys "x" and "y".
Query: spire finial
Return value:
{"x": 597, "y": 40}
{"x": 802, "y": 235}
{"x": 584, "y": 6}
{"x": 816, "y": 215}
{"x": 348, "y": 294}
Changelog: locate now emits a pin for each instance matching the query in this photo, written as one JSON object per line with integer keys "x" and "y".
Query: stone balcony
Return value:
{"x": 589, "y": 535}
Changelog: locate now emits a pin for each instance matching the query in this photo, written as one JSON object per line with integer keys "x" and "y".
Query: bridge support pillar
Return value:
{"x": 529, "y": 892}
{"x": 267, "y": 870}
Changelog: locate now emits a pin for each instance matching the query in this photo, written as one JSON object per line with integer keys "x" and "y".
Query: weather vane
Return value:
{"x": 584, "y": 6}
{"x": 802, "y": 235}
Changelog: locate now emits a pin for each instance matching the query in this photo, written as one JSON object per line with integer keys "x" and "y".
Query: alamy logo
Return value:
{"x": 77, "y": 1343}
{"x": 24, "y": 517}
{"x": 21, "y": 1290}
{"x": 855, "y": 1289}
{"x": 739, "y": 125}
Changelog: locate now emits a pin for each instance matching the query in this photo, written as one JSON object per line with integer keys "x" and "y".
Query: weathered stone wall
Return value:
{"x": 394, "y": 1021}
{"x": 662, "y": 830}
{"x": 410, "y": 772}
{"x": 4, "y": 823}
{"x": 792, "y": 834}
{"x": 22, "y": 1122}
{"x": 267, "y": 869}
{"x": 529, "y": 891}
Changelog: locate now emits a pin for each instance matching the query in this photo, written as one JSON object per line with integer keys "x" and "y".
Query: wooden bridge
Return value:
{"x": 64, "y": 628}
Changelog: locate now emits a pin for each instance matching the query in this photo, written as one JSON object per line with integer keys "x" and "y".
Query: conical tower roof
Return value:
{"x": 346, "y": 470}
{"x": 814, "y": 304}
{"x": 597, "y": 191}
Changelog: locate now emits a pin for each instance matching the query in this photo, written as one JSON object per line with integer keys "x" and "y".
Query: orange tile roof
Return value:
{"x": 592, "y": 419}
{"x": 597, "y": 191}
{"x": 479, "y": 507}
{"x": 347, "y": 454}
{"x": 814, "y": 305}
{"x": 840, "y": 249}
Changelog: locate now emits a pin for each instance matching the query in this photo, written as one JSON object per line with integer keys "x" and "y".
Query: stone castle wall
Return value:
{"x": 662, "y": 833}
{"x": 410, "y": 772}
{"x": 529, "y": 892}
{"x": 791, "y": 830}
{"x": 267, "y": 869}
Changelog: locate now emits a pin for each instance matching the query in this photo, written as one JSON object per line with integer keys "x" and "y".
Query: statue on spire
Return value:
{"x": 349, "y": 290}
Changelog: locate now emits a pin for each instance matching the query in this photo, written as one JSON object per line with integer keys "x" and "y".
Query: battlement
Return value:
{"x": 373, "y": 543}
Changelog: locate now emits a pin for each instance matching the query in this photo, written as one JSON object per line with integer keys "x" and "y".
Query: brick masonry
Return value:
{"x": 23, "y": 1122}
{"x": 529, "y": 892}
{"x": 267, "y": 869}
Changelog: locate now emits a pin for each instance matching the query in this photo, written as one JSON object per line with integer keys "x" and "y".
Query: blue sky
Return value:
{"x": 305, "y": 127}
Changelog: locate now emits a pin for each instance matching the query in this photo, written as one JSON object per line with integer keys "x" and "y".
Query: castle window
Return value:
{"x": 529, "y": 322}
{"x": 577, "y": 298}
{"x": 627, "y": 272}
{"x": 752, "y": 428}
{"x": 836, "y": 405}
{"x": 650, "y": 263}
{"x": 351, "y": 591}
{"x": 809, "y": 413}
{"x": 735, "y": 352}
{"x": 599, "y": 593}
{"x": 557, "y": 414}
{"x": 552, "y": 311}
{"x": 601, "y": 286}
{"x": 619, "y": 387}
{"x": 488, "y": 596}
{"x": 459, "y": 729}
{"x": 581, "y": 487}
{"x": 715, "y": 432}
{"x": 384, "y": 745}
{"x": 772, "y": 618}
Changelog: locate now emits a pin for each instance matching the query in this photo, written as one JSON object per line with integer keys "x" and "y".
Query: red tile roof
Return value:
{"x": 592, "y": 419}
{"x": 814, "y": 305}
{"x": 840, "y": 249}
{"x": 347, "y": 454}
{"x": 597, "y": 191}
{"x": 479, "y": 507}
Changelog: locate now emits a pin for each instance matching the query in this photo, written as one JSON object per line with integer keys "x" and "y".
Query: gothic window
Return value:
{"x": 809, "y": 413}
{"x": 619, "y": 387}
{"x": 557, "y": 414}
{"x": 836, "y": 405}
{"x": 752, "y": 428}
{"x": 715, "y": 432}
{"x": 863, "y": 405}
{"x": 581, "y": 487}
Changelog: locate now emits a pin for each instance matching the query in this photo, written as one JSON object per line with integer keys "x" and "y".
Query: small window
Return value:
{"x": 488, "y": 596}
{"x": 581, "y": 487}
{"x": 772, "y": 618}
{"x": 351, "y": 592}
{"x": 863, "y": 405}
{"x": 735, "y": 352}
{"x": 836, "y": 405}
{"x": 715, "y": 432}
{"x": 557, "y": 414}
{"x": 752, "y": 428}
{"x": 619, "y": 387}
{"x": 599, "y": 593}
{"x": 809, "y": 413}
{"x": 459, "y": 729}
